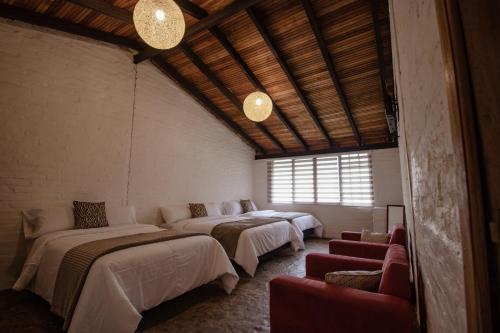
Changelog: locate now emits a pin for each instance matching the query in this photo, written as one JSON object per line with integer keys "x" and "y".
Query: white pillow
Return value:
{"x": 120, "y": 215}
{"x": 175, "y": 213}
{"x": 37, "y": 222}
{"x": 212, "y": 209}
{"x": 232, "y": 207}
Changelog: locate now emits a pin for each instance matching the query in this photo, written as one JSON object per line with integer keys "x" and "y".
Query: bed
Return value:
{"x": 252, "y": 242}
{"x": 300, "y": 221}
{"x": 122, "y": 284}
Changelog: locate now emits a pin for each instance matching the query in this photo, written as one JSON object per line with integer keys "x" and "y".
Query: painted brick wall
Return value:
{"x": 66, "y": 110}
{"x": 336, "y": 218}
{"x": 432, "y": 164}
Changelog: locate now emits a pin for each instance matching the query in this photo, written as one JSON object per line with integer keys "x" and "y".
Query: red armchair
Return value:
{"x": 350, "y": 244}
{"x": 309, "y": 305}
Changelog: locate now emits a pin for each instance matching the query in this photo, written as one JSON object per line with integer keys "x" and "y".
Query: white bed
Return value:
{"x": 122, "y": 284}
{"x": 252, "y": 243}
{"x": 300, "y": 223}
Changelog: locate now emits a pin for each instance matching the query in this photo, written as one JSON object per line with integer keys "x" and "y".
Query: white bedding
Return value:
{"x": 122, "y": 284}
{"x": 299, "y": 223}
{"x": 253, "y": 242}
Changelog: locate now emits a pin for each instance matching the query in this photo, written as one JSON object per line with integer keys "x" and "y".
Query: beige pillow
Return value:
{"x": 375, "y": 237}
{"x": 363, "y": 280}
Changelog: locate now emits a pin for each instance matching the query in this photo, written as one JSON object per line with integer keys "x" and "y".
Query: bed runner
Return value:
{"x": 228, "y": 233}
{"x": 77, "y": 262}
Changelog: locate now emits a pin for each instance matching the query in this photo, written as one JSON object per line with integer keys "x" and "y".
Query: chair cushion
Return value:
{"x": 395, "y": 279}
{"x": 364, "y": 280}
{"x": 374, "y": 237}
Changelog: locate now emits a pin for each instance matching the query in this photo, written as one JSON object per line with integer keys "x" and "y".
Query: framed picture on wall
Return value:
{"x": 395, "y": 215}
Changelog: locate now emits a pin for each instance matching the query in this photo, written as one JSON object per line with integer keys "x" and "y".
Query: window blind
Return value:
{"x": 344, "y": 179}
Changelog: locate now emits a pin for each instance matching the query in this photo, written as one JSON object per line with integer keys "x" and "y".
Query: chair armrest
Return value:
{"x": 303, "y": 305}
{"x": 318, "y": 264}
{"x": 358, "y": 249}
{"x": 350, "y": 235}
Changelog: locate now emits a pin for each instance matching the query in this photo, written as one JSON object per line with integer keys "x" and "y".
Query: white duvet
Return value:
{"x": 253, "y": 242}
{"x": 300, "y": 223}
{"x": 122, "y": 284}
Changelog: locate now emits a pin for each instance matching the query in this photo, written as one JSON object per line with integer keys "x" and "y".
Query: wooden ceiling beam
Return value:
{"x": 200, "y": 13}
{"x": 34, "y": 18}
{"x": 106, "y": 8}
{"x": 381, "y": 61}
{"x": 205, "y": 23}
{"x": 284, "y": 66}
{"x": 331, "y": 68}
{"x": 332, "y": 150}
{"x": 190, "y": 89}
{"x": 225, "y": 91}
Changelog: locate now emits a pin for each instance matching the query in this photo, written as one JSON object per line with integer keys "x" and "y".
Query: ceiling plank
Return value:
{"x": 190, "y": 89}
{"x": 332, "y": 150}
{"x": 225, "y": 91}
{"x": 205, "y": 23}
{"x": 30, "y": 17}
{"x": 331, "y": 68}
{"x": 380, "y": 60}
{"x": 106, "y": 8}
{"x": 284, "y": 66}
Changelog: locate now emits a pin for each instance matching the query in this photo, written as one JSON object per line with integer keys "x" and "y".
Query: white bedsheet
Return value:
{"x": 253, "y": 242}
{"x": 122, "y": 284}
{"x": 299, "y": 223}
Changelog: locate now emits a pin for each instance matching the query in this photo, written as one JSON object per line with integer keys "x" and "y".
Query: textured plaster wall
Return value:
{"x": 432, "y": 163}
{"x": 336, "y": 218}
{"x": 68, "y": 131}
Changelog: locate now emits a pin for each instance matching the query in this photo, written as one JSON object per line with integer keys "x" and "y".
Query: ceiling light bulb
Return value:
{"x": 160, "y": 15}
{"x": 258, "y": 101}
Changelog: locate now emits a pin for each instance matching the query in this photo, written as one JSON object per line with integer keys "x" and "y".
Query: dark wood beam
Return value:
{"x": 191, "y": 8}
{"x": 106, "y": 8}
{"x": 284, "y": 66}
{"x": 225, "y": 91}
{"x": 205, "y": 23}
{"x": 332, "y": 150}
{"x": 331, "y": 68}
{"x": 30, "y": 17}
{"x": 190, "y": 89}
{"x": 381, "y": 60}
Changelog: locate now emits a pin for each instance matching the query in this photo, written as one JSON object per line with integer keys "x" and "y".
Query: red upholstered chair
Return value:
{"x": 309, "y": 305}
{"x": 350, "y": 244}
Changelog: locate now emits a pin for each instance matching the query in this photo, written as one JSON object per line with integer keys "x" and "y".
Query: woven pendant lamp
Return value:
{"x": 160, "y": 23}
{"x": 258, "y": 106}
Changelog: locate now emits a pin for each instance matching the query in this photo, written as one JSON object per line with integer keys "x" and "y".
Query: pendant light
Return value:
{"x": 258, "y": 106}
{"x": 160, "y": 23}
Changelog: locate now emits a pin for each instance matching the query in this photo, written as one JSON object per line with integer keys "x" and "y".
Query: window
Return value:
{"x": 344, "y": 179}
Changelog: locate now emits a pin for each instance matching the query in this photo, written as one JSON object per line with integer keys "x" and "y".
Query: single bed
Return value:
{"x": 122, "y": 284}
{"x": 252, "y": 242}
{"x": 300, "y": 221}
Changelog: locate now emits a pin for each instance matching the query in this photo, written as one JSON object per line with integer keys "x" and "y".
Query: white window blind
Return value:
{"x": 344, "y": 179}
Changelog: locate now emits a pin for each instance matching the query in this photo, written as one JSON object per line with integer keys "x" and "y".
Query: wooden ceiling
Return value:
{"x": 326, "y": 64}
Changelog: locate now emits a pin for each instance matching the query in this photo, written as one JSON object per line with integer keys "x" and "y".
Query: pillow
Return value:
{"x": 90, "y": 215}
{"x": 37, "y": 222}
{"x": 120, "y": 215}
{"x": 174, "y": 213}
{"x": 246, "y": 206}
{"x": 198, "y": 210}
{"x": 232, "y": 207}
{"x": 375, "y": 237}
{"x": 364, "y": 280}
{"x": 213, "y": 209}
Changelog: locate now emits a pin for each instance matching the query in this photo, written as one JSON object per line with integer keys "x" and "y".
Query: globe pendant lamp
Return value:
{"x": 258, "y": 106}
{"x": 160, "y": 23}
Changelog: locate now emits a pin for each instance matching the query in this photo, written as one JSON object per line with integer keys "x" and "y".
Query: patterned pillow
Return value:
{"x": 364, "y": 280}
{"x": 89, "y": 215}
{"x": 246, "y": 206}
{"x": 198, "y": 210}
{"x": 375, "y": 237}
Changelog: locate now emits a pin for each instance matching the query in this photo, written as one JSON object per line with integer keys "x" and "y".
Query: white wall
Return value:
{"x": 337, "y": 218}
{"x": 68, "y": 131}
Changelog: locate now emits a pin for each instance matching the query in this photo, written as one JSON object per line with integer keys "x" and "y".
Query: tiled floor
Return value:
{"x": 205, "y": 309}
